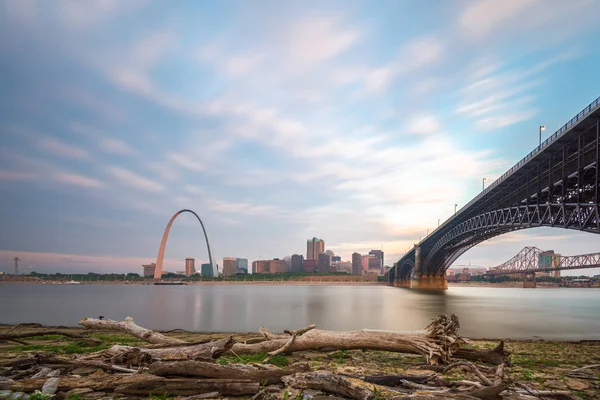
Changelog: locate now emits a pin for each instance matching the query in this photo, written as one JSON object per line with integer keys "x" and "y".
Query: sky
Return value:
{"x": 358, "y": 122}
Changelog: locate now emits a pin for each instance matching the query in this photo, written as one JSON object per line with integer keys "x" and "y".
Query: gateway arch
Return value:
{"x": 165, "y": 237}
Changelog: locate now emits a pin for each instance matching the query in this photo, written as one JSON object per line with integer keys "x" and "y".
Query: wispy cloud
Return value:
{"x": 62, "y": 149}
{"x": 127, "y": 177}
{"x": 74, "y": 179}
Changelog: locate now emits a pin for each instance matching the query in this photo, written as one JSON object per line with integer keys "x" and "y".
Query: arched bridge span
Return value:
{"x": 556, "y": 185}
{"x": 165, "y": 237}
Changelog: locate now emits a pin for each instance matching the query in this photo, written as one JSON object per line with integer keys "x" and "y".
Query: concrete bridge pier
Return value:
{"x": 529, "y": 280}
{"x": 403, "y": 283}
{"x": 424, "y": 281}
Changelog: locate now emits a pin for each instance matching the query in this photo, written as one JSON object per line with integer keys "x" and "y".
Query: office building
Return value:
{"x": 324, "y": 262}
{"x": 260, "y": 267}
{"x": 277, "y": 266}
{"x": 149, "y": 270}
{"x": 297, "y": 263}
{"x": 190, "y": 266}
{"x": 242, "y": 265}
{"x": 375, "y": 266}
{"x": 555, "y": 264}
{"x": 229, "y": 266}
{"x": 379, "y": 255}
{"x": 314, "y": 247}
{"x": 206, "y": 270}
{"x": 344, "y": 266}
{"x": 356, "y": 264}
{"x": 310, "y": 266}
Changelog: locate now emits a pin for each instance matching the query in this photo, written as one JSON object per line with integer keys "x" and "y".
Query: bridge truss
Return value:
{"x": 527, "y": 261}
{"x": 556, "y": 185}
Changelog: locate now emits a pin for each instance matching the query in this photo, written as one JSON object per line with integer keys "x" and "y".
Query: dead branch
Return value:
{"x": 189, "y": 387}
{"x": 15, "y": 336}
{"x": 499, "y": 374}
{"x": 216, "y": 371}
{"x": 391, "y": 380}
{"x": 489, "y": 392}
{"x": 494, "y": 356}
{"x": 286, "y": 346}
{"x": 44, "y": 360}
{"x": 328, "y": 383}
{"x": 130, "y": 327}
{"x": 485, "y": 380}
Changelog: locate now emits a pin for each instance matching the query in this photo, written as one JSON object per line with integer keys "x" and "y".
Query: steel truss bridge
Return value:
{"x": 528, "y": 261}
{"x": 556, "y": 185}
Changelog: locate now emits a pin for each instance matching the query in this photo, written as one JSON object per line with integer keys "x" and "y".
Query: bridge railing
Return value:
{"x": 593, "y": 106}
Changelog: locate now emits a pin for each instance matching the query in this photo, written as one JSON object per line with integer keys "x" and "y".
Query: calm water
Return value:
{"x": 561, "y": 313}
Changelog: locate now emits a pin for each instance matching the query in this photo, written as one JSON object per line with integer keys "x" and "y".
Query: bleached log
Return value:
{"x": 130, "y": 327}
{"x": 189, "y": 387}
{"x": 437, "y": 342}
{"x": 216, "y": 371}
{"x": 204, "y": 352}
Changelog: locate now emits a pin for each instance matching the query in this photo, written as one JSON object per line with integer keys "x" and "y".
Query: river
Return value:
{"x": 484, "y": 312}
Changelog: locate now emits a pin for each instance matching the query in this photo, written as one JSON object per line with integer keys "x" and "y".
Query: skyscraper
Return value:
{"x": 324, "y": 263}
{"x": 190, "y": 266}
{"x": 297, "y": 263}
{"x": 379, "y": 255}
{"x": 356, "y": 264}
{"x": 314, "y": 247}
{"x": 229, "y": 266}
{"x": 242, "y": 265}
{"x": 149, "y": 270}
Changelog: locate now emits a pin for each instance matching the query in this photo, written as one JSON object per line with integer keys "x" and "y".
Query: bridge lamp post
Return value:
{"x": 455, "y": 205}
{"x": 542, "y": 128}
{"x": 483, "y": 185}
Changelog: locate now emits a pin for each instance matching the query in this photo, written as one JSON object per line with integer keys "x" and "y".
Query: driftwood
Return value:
{"x": 437, "y": 342}
{"x": 212, "y": 370}
{"x": 130, "y": 327}
{"x": 16, "y": 336}
{"x": 204, "y": 352}
{"x": 66, "y": 383}
{"x": 484, "y": 379}
{"x": 392, "y": 380}
{"x": 189, "y": 387}
{"x": 495, "y": 356}
{"x": 328, "y": 383}
{"x": 286, "y": 346}
{"x": 48, "y": 360}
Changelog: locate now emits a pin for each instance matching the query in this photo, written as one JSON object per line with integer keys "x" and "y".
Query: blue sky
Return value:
{"x": 361, "y": 123}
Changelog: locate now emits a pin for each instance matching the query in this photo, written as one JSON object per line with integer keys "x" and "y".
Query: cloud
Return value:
{"x": 116, "y": 146}
{"x": 62, "y": 149}
{"x": 426, "y": 124}
{"x": 482, "y": 17}
{"x": 129, "y": 178}
{"x": 74, "y": 179}
{"x": 18, "y": 176}
{"x": 185, "y": 162}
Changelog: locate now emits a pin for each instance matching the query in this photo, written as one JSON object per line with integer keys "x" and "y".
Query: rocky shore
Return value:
{"x": 538, "y": 369}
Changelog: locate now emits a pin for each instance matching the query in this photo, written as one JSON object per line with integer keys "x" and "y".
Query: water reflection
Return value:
{"x": 559, "y": 313}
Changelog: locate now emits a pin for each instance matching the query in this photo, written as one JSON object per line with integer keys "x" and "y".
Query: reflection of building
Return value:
{"x": 314, "y": 247}
{"x": 206, "y": 269}
{"x": 297, "y": 261}
{"x": 310, "y": 266}
{"x": 229, "y": 266}
{"x": 356, "y": 264}
{"x": 149, "y": 270}
{"x": 324, "y": 262}
{"x": 190, "y": 266}
{"x": 379, "y": 255}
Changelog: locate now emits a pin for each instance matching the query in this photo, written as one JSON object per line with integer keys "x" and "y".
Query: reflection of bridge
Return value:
{"x": 527, "y": 263}
{"x": 555, "y": 185}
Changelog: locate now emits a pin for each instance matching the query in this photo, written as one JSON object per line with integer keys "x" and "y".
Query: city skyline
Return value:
{"x": 343, "y": 123}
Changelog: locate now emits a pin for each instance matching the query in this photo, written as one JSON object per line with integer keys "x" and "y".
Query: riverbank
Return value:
{"x": 541, "y": 365}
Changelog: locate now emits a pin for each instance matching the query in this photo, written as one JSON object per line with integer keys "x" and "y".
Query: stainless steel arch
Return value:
{"x": 165, "y": 237}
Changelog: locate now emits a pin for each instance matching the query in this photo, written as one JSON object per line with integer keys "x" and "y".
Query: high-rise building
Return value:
{"x": 297, "y": 263}
{"x": 344, "y": 266}
{"x": 336, "y": 259}
{"x": 379, "y": 255}
{"x": 242, "y": 265}
{"x": 206, "y": 269}
{"x": 555, "y": 264}
{"x": 324, "y": 263}
{"x": 365, "y": 262}
{"x": 310, "y": 266}
{"x": 356, "y": 264}
{"x": 277, "y": 266}
{"x": 229, "y": 266}
{"x": 375, "y": 265}
{"x": 149, "y": 270}
{"x": 260, "y": 267}
{"x": 314, "y": 247}
{"x": 190, "y": 266}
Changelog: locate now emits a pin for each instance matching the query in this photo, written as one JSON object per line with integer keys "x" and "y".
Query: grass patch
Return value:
{"x": 279, "y": 360}
{"x": 67, "y": 348}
